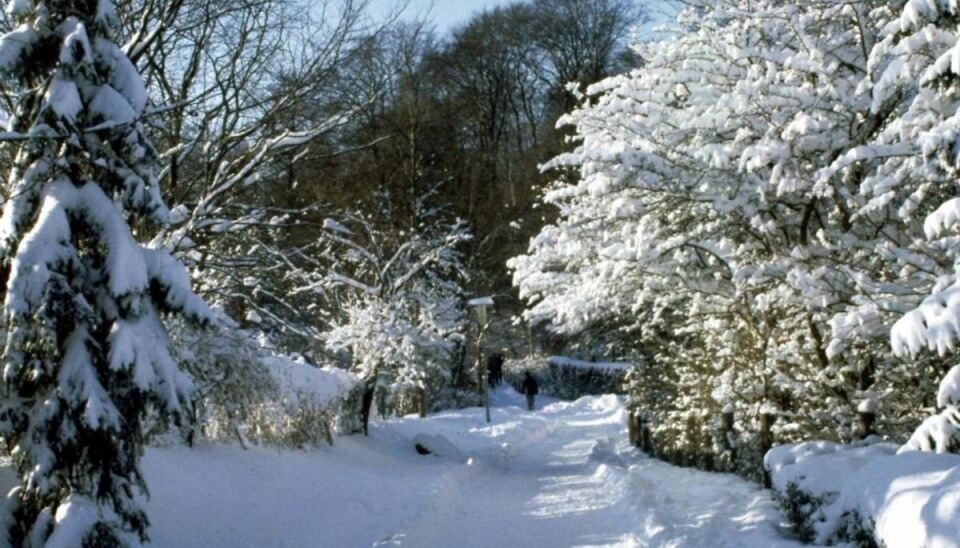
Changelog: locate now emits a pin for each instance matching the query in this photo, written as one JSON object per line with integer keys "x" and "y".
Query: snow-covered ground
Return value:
{"x": 562, "y": 475}
{"x": 908, "y": 498}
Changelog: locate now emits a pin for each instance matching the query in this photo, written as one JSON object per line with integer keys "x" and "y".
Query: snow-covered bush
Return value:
{"x": 750, "y": 204}
{"x": 854, "y": 529}
{"x": 229, "y": 377}
{"x": 917, "y": 64}
{"x": 306, "y": 406}
{"x": 868, "y": 494}
{"x": 250, "y": 393}
{"x": 800, "y": 509}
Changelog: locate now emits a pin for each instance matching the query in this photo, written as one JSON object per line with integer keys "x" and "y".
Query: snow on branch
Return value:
{"x": 920, "y": 12}
{"x": 339, "y": 279}
{"x": 165, "y": 270}
{"x": 934, "y": 325}
{"x": 944, "y": 218}
{"x": 331, "y": 224}
{"x": 949, "y": 390}
{"x": 245, "y": 167}
{"x": 48, "y": 241}
{"x": 127, "y": 275}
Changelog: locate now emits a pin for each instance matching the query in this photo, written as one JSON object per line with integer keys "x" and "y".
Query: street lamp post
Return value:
{"x": 479, "y": 307}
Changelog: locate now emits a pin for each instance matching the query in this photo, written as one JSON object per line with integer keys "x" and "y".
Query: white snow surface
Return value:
{"x": 570, "y": 362}
{"x": 949, "y": 391}
{"x": 481, "y": 301}
{"x": 303, "y": 384}
{"x": 911, "y": 496}
{"x": 562, "y": 475}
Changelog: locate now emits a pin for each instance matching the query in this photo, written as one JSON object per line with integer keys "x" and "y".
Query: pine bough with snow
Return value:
{"x": 85, "y": 354}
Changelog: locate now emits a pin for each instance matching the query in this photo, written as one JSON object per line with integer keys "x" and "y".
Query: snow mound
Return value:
{"x": 604, "y": 451}
{"x": 780, "y": 460}
{"x": 589, "y": 405}
{"x": 302, "y": 383}
{"x": 583, "y": 364}
{"x": 902, "y": 499}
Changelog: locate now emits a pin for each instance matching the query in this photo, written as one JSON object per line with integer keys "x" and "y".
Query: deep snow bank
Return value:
{"x": 903, "y": 500}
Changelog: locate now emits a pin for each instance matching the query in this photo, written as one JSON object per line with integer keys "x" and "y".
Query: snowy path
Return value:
{"x": 560, "y": 476}
{"x": 538, "y": 490}
{"x": 565, "y": 480}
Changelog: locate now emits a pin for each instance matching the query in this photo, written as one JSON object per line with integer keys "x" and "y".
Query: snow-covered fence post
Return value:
{"x": 638, "y": 429}
{"x": 366, "y": 403}
{"x": 767, "y": 418}
{"x": 866, "y": 424}
{"x": 703, "y": 454}
{"x": 726, "y": 425}
{"x": 422, "y": 401}
{"x": 867, "y": 415}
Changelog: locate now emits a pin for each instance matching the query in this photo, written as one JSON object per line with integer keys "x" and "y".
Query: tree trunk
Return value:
{"x": 369, "y": 387}
{"x": 646, "y": 440}
{"x": 865, "y": 427}
{"x": 634, "y": 425}
{"x": 766, "y": 443}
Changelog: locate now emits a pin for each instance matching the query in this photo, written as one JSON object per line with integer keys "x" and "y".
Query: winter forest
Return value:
{"x": 251, "y": 239}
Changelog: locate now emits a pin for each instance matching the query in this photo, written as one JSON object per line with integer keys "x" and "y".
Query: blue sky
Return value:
{"x": 444, "y": 14}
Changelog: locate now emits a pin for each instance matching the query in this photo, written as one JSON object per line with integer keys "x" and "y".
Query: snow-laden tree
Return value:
{"x": 252, "y": 93}
{"x": 917, "y": 67}
{"x": 85, "y": 352}
{"x": 400, "y": 301}
{"x": 706, "y": 213}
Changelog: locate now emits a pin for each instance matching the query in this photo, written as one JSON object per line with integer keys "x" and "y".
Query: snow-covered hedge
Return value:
{"x": 247, "y": 392}
{"x": 306, "y": 405}
{"x": 572, "y": 379}
{"x": 568, "y": 378}
{"x": 515, "y": 368}
{"x": 868, "y": 493}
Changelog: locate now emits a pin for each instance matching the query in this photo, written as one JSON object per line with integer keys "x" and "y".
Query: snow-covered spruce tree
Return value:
{"x": 917, "y": 65}
{"x": 85, "y": 352}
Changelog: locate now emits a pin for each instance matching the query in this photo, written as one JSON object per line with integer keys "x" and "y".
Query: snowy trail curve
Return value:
{"x": 537, "y": 489}
{"x": 564, "y": 476}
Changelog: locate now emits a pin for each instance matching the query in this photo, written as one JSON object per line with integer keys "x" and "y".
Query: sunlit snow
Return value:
{"x": 559, "y": 476}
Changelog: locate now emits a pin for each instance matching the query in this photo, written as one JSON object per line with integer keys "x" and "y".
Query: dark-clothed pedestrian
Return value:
{"x": 495, "y": 370}
{"x": 529, "y": 389}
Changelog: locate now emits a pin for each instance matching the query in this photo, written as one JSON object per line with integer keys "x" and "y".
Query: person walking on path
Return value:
{"x": 495, "y": 370}
{"x": 529, "y": 389}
